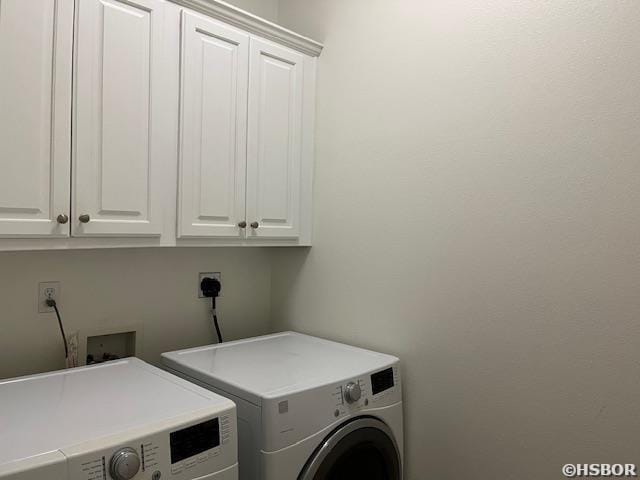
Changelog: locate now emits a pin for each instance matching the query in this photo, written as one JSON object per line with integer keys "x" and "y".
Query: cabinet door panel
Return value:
{"x": 117, "y": 161}
{"x": 35, "y": 116}
{"x": 274, "y": 140}
{"x": 215, "y": 63}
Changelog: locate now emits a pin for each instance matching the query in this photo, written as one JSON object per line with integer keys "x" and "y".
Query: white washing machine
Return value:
{"x": 117, "y": 421}
{"x": 308, "y": 408}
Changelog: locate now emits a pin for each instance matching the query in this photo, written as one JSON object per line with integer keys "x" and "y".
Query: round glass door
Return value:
{"x": 363, "y": 448}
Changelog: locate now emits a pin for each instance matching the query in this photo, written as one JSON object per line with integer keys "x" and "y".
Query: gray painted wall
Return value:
{"x": 155, "y": 287}
{"x": 477, "y": 209}
{"x": 267, "y": 9}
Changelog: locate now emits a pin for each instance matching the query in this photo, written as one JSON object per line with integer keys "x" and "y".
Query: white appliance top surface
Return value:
{"x": 275, "y": 365}
{"x": 47, "y": 412}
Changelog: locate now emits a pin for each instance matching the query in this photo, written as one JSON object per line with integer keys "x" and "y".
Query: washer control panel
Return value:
{"x": 124, "y": 464}
{"x": 183, "y": 451}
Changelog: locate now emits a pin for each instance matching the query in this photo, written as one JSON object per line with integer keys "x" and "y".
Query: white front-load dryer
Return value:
{"x": 308, "y": 408}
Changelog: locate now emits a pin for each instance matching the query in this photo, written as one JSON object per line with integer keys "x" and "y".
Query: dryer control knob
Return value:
{"x": 125, "y": 463}
{"x": 352, "y": 392}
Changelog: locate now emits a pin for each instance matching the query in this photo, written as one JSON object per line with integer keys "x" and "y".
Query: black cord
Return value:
{"x": 215, "y": 319}
{"x": 215, "y": 322}
{"x": 211, "y": 287}
{"x": 52, "y": 303}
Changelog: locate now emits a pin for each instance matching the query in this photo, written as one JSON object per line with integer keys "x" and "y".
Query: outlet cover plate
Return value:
{"x": 43, "y": 289}
{"x": 216, "y": 275}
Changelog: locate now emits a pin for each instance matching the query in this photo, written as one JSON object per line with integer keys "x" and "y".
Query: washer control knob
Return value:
{"x": 125, "y": 463}
{"x": 352, "y": 392}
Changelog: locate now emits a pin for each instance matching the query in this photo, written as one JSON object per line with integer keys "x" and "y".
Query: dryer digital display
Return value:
{"x": 193, "y": 440}
{"x": 381, "y": 381}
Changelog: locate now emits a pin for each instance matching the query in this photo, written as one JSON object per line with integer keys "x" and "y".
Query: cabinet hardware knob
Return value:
{"x": 242, "y": 224}
{"x": 255, "y": 224}
{"x": 62, "y": 219}
{"x": 84, "y": 218}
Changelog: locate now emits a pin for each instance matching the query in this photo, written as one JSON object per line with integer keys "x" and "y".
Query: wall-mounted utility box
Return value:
{"x": 98, "y": 345}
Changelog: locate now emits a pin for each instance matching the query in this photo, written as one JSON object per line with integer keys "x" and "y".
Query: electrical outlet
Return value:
{"x": 216, "y": 275}
{"x": 47, "y": 291}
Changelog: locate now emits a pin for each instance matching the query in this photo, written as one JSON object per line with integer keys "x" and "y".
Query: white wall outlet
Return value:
{"x": 47, "y": 290}
{"x": 201, "y": 275}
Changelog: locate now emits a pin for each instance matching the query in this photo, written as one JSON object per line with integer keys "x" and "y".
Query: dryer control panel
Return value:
{"x": 289, "y": 419}
{"x": 376, "y": 389}
{"x": 177, "y": 450}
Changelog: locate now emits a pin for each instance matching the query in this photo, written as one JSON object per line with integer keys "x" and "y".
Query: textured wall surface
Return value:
{"x": 267, "y": 9}
{"x": 155, "y": 287}
{"x": 477, "y": 208}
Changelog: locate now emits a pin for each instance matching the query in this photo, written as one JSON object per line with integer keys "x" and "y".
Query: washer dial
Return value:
{"x": 124, "y": 464}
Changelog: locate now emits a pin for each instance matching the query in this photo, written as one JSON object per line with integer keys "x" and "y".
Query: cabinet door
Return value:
{"x": 35, "y": 116}
{"x": 274, "y": 141}
{"x": 215, "y": 66}
{"x": 117, "y": 162}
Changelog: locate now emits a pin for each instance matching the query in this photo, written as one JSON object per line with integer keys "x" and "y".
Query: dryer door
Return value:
{"x": 361, "y": 448}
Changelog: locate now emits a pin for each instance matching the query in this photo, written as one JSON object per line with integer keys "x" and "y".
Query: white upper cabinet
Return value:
{"x": 35, "y": 116}
{"x": 153, "y": 123}
{"x": 117, "y": 158}
{"x": 274, "y": 152}
{"x": 213, "y": 109}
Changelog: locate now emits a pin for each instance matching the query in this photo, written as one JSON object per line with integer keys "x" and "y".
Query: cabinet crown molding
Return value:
{"x": 254, "y": 24}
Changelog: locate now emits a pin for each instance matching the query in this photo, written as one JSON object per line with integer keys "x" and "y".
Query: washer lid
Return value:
{"x": 275, "y": 365}
{"x": 44, "y": 413}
